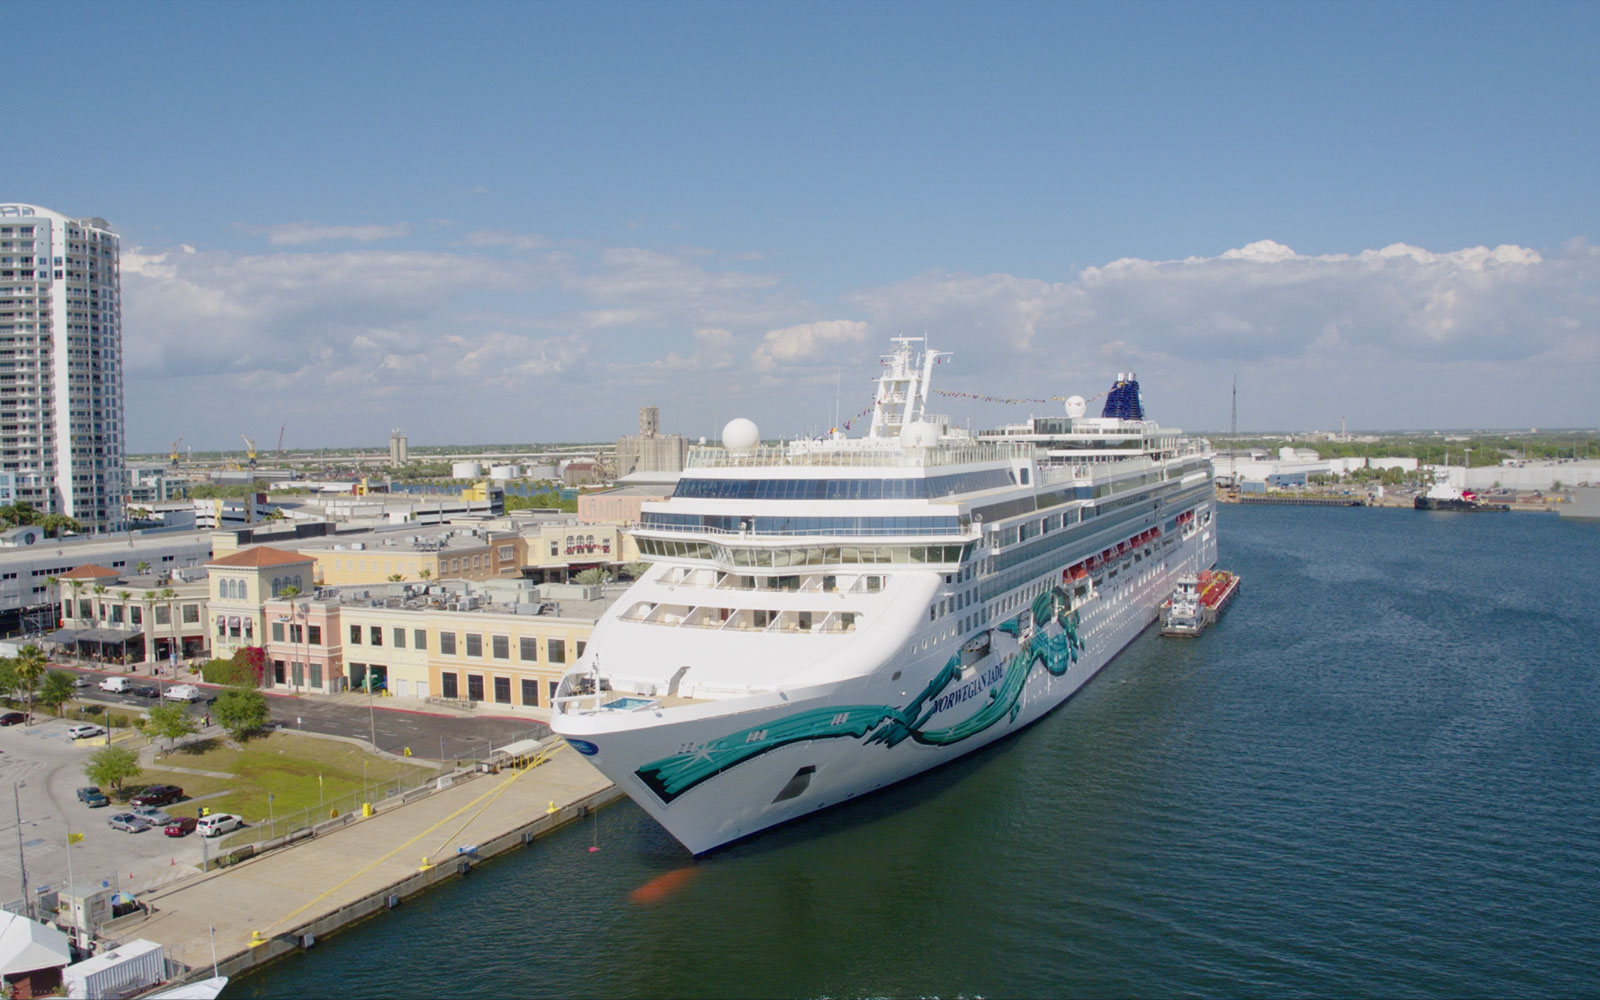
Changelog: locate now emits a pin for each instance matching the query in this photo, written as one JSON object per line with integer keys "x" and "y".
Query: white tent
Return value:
{"x": 27, "y": 945}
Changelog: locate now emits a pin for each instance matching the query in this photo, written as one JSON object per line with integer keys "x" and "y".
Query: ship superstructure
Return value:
{"x": 822, "y": 618}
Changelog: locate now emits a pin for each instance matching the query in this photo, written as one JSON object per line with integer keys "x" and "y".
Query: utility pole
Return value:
{"x": 22, "y": 861}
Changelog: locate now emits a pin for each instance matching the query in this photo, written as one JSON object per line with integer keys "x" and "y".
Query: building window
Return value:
{"x": 530, "y": 692}
{"x": 191, "y": 614}
{"x": 135, "y": 616}
{"x": 399, "y": 638}
{"x": 355, "y": 635}
{"x": 447, "y": 685}
{"x": 558, "y": 651}
{"x": 316, "y": 675}
{"x": 315, "y": 632}
{"x": 581, "y": 644}
{"x": 529, "y": 650}
{"x": 419, "y": 638}
{"x": 502, "y": 690}
{"x": 277, "y": 631}
{"x": 375, "y": 633}
{"x": 505, "y": 553}
{"x": 501, "y": 646}
{"x": 163, "y": 615}
{"x": 447, "y": 643}
{"x": 474, "y": 644}
{"x": 555, "y": 548}
{"x": 552, "y": 687}
{"x": 474, "y": 687}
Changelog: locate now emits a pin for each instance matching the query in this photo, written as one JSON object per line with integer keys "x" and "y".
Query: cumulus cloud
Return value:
{"x": 1375, "y": 317}
{"x": 805, "y": 343}
{"x": 297, "y": 233}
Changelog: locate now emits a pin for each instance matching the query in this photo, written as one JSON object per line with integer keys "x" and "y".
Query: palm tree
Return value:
{"x": 141, "y": 568}
{"x": 167, "y": 594}
{"x": 396, "y": 577}
{"x": 425, "y": 573}
{"x": 124, "y": 596}
{"x": 77, "y": 586}
{"x": 150, "y": 624}
{"x": 54, "y": 583}
{"x": 31, "y": 663}
{"x": 100, "y": 604}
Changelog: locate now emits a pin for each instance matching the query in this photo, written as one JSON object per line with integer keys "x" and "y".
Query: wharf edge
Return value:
{"x": 269, "y": 893}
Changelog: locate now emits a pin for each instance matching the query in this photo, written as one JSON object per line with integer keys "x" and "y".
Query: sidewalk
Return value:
{"x": 322, "y": 883}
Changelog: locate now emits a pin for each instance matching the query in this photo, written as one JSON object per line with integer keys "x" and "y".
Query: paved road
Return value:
{"x": 435, "y": 736}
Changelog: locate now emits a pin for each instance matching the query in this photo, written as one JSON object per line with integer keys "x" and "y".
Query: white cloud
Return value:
{"x": 297, "y": 233}
{"x": 805, "y": 343}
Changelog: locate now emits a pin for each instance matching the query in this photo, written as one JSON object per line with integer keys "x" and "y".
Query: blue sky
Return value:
{"x": 492, "y": 222}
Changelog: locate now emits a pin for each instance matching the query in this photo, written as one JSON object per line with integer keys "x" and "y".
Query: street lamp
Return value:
{"x": 272, "y": 822}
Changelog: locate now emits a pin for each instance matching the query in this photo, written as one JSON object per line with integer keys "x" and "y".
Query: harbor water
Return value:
{"x": 1379, "y": 775}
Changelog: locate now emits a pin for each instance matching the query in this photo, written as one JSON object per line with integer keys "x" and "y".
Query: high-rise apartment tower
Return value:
{"x": 61, "y": 408}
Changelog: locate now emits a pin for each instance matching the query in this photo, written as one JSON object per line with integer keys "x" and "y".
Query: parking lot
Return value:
{"x": 45, "y": 766}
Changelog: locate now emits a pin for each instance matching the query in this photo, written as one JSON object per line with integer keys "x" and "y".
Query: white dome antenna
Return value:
{"x": 1077, "y": 406}
{"x": 740, "y": 434}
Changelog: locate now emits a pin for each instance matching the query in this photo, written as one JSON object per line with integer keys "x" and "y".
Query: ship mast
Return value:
{"x": 903, "y": 387}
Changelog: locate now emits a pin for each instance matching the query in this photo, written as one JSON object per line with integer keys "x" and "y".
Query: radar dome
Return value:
{"x": 919, "y": 434}
{"x": 740, "y": 435}
{"x": 1077, "y": 406}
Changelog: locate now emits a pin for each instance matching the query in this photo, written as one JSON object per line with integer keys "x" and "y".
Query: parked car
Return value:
{"x": 13, "y": 719}
{"x": 217, "y": 824}
{"x": 153, "y": 815}
{"x": 158, "y": 795}
{"x": 88, "y": 790}
{"x": 181, "y": 826}
{"x": 129, "y": 823}
{"x": 95, "y": 799}
{"x": 85, "y": 730}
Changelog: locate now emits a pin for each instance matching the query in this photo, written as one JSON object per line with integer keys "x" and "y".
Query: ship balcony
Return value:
{"x": 789, "y": 620}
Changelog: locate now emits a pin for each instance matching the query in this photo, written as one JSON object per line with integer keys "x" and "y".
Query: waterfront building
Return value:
{"x": 28, "y": 598}
{"x": 132, "y": 617}
{"x": 503, "y": 643}
{"x": 240, "y": 585}
{"x": 61, "y": 402}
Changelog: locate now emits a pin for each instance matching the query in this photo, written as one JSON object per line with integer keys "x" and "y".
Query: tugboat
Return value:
{"x": 1443, "y": 496}
{"x": 1199, "y": 601}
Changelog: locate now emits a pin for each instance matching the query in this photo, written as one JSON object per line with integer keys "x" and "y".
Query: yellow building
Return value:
{"x": 488, "y": 646}
{"x": 240, "y": 585}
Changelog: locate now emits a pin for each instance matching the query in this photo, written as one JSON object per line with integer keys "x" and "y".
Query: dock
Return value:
{"x": 1301, "y": 501}
{"x": 284, "y": 900}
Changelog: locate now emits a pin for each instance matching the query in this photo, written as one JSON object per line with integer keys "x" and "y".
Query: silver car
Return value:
{"x": 129, "y": 823}
{"x": 154, "y": 815}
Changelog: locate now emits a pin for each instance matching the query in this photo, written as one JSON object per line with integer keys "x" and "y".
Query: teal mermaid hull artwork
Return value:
{"x": 1053, "y": 646}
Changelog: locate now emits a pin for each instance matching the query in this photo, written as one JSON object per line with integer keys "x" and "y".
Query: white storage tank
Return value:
{"x": 504, "y": 472}
{"x": 466, "y": 470}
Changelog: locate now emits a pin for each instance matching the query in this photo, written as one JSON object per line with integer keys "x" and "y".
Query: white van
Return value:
{"x": 115, "y": 684}
{"x": 184, "y": 692}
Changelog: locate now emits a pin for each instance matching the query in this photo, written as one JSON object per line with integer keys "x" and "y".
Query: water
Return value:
{"x": 1379, "y": 776}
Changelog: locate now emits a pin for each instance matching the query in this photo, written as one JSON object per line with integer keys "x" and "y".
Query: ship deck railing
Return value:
{"x": 962, "y": 534}
{"x": 856, "y": 453}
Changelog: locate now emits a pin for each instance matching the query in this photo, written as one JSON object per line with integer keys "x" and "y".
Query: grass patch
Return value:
{"x": 286, "y": 766}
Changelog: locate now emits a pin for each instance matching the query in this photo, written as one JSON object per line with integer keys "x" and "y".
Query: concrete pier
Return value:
{"x": 285, "y": 899}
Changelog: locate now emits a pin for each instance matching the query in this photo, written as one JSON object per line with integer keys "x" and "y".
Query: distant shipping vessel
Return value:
{"x": 1443, "y": 496}
{"x": 823, "y": 618}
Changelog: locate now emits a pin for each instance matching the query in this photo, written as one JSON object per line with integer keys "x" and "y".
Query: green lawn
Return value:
{"x": 285, "y": 765}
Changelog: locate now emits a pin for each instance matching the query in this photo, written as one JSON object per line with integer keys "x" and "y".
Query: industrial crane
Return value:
{"x": 250, "y": 449}
{"x": 175, "y": 446}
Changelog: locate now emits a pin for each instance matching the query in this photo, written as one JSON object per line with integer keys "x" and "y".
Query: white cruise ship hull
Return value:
{"x": 714, "y": 772}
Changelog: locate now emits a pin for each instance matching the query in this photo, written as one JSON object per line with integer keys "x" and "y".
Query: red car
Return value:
{"x": 13, "y": 719}
{"x": 182, "y": 826}
{"x": 157, "y": 795}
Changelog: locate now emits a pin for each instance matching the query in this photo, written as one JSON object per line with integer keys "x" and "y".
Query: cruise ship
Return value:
{"x": 823, "y": 618}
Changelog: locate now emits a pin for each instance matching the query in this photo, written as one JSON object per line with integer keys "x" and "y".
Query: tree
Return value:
{"x": 77, "y": 587}
{"x": 172, "y": 721}
{"x": 100, "y": 602}
{"x": 54, "y": 583}
{"x": 109, "y": 767}
{"x": 56, "y": 690}
{"x": 141, "y": 567}
{"x": 55, "y": 524}
{"x": 425, "y": 573}
{"x": 31, "y": 665}
{"x": 592, "y": 576}
{"x": 634, "y": 570}
{"x": 396, "y": 577}
{"x": 241, "y": 711}
{"x": 14, "y": 515}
